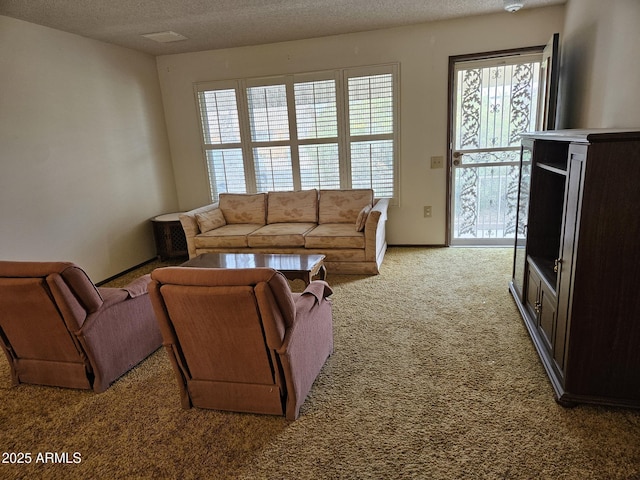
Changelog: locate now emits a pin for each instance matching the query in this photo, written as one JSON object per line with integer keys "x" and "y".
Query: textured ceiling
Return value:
{"x": 214, "y": 24}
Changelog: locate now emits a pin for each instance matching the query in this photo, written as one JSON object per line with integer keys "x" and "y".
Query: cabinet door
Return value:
{"x": 533, "y": 293}
{"x": 565, "y": 264}
{"x": 520, "y": 253}
{"x": 541, "y": 303}
{"x": 547, "y": 317}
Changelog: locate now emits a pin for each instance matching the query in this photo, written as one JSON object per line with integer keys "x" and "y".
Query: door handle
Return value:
{"x": 556, "y": 264}
{"x": 457, "y": 158}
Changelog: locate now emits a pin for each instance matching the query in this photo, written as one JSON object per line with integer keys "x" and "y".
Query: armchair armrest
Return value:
{"x": 119, "y": 334}
{"x": 319, "y": 289}
{"x": 138, "y": 287}
{"x": 134, "y": 289}
{"x": 307, "y": 343}
{"x": 310, "y": 306}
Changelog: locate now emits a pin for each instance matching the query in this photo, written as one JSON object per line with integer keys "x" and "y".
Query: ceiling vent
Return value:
{"x": 513, "y": 5}
{"x": 165, "y": 37}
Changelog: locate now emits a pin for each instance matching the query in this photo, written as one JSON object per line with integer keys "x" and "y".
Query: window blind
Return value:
{"x": 371, "y": 128}
{"x": 334, "y": 129}
{"x": 219, "y": 116}
{"x": 316, "y": 109}
{"x": 273, "y": 168}
{"x": 268, "y": 115}
{"x": 226, "y": 171}
{"x": 319, "y": 166}
{"x": 371, "y": 105}
{"x": 221, "y": 128}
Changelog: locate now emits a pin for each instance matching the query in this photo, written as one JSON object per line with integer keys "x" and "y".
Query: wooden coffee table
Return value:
{"x": 292, "y": 265}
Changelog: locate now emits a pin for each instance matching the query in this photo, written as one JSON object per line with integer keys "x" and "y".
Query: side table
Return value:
{"x": 169, "y": 236}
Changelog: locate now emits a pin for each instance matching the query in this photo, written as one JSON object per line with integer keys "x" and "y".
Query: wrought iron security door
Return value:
{"x": 495, "y": 100}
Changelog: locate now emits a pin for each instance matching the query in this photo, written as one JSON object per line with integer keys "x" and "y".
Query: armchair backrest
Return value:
{"x": 41, "y": 304}
{"x": 221, "y": 328}
{"x": 58, "y": 329}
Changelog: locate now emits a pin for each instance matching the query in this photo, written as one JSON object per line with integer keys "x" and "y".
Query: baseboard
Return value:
{"x": 416, "y": 245}
{"x": 99, "y": 284}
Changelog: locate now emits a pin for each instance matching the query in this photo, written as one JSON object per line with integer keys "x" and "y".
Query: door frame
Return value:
{"x": 451, "y": 113}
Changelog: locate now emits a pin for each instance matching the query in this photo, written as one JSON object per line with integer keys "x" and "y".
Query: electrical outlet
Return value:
{"x": 437, "y": 162}
{"x": 427, "y": 211}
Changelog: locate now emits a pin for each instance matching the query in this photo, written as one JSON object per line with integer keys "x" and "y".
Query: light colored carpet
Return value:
{"x": 433, "y": 377}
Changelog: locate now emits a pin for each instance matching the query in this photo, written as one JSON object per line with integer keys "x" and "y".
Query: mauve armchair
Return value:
{"x": 58, "y": 329}
{"x": 240, "y": 340}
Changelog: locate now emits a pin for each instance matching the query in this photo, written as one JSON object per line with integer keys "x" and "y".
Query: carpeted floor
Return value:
{"x": 433, "y": 377}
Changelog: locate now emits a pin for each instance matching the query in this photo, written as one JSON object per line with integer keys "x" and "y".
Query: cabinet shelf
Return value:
{"x": 546, "y": 269}
{"x": 559, "y": 169}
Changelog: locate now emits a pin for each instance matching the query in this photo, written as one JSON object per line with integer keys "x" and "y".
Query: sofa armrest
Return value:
{"x": 375, "y": 229}
{"x": 190, "y": 225}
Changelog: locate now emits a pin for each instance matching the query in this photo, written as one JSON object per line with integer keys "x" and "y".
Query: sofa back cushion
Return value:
{"x": 293, "y": 207}
{"x": 342, "y": 206}
{"x": 244, "y": 208}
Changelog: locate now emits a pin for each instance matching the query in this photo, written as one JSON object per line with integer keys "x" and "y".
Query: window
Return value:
{"x": 371, "y": 129}
{"x": 334, "y": 129}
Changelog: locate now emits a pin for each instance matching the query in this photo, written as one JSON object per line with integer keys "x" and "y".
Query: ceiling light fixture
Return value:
{"x": 513, "y": 5}
{"x": 165, "y": 37}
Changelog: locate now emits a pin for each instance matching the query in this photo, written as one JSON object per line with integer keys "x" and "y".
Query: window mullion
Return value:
{"x": 206, "y": 130}
{"x": 342, "y": 98}
{"x": 221, "y": 146}
{"x": 245, "y": 135}
{"x": 293, "y": 134}
{"x": 371, "y": 137}
{"x": 315, "y": 141}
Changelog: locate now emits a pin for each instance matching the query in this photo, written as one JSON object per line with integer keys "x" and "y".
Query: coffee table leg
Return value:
{"x": 306, "y": 276}
{"x": 322, "y": 273}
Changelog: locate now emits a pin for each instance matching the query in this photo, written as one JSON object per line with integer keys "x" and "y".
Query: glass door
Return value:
{"x": 494, "y": 100}
{"x": 520, "y": 252}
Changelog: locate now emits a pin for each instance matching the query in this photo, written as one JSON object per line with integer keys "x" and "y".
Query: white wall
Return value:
{"x": 84, "y": 159}
{"x": 600, "y": 68}
{"x": 423, "y": 52}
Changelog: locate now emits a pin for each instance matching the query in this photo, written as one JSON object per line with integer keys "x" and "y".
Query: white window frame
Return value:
{"x": 344, "y": 138}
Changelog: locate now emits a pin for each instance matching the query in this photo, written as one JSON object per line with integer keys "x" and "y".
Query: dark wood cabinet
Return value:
{"x": 576, "y": 273}
{"x": 171, "y": 241}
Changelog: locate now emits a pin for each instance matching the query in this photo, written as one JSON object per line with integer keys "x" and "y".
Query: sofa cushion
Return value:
{"x": 342, "y": 206}
{"x": 334, "y": 235}
{"x": 280, "y": 235}
{"x": 288, "y": 207}
{"x": 244, "y": 208}
{"x": 229, "y": 236}
{"x": 210, "y": 220}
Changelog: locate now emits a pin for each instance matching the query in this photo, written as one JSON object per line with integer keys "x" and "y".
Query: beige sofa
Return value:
{"x": 347, "y": 226}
